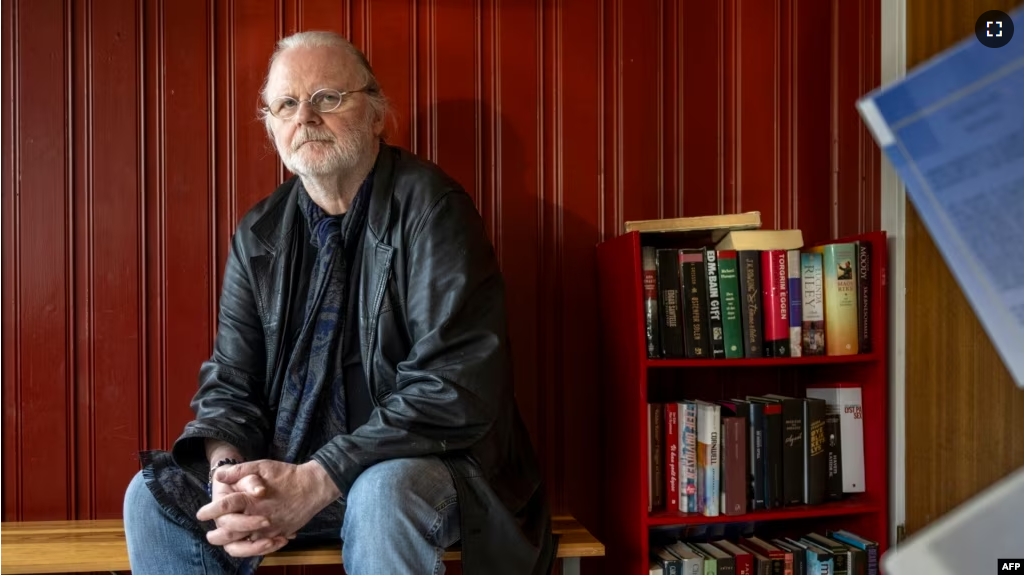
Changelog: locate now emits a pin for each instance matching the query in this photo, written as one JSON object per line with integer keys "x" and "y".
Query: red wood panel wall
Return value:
{"x": 131, "y": 148}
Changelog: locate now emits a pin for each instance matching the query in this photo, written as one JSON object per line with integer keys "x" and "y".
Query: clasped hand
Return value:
{"x": 258, "y": 506}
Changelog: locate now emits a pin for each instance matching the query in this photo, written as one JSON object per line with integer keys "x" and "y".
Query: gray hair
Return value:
{"x": 322, "y": 39}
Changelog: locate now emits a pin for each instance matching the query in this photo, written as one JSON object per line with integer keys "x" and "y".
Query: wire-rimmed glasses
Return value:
{"x": 323, "y": 101}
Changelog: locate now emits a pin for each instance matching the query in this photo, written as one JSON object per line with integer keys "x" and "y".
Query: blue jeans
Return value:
{"x": 400, "y": 517}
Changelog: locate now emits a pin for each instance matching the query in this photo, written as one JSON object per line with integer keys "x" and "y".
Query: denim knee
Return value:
{"x": 139, "y": 502}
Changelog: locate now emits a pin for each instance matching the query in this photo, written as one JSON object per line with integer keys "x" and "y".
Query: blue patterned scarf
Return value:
{"x": 312, "y": 407}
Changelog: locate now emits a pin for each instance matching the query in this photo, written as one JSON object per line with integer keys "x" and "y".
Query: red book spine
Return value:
{"x": 775, "y": 303}
{"x": 672, "y": 457}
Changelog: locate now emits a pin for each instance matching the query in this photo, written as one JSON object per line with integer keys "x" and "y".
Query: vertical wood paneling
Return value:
{"x": 185, "y": 198}
{"x": 153, "y": 237}
{"x": 811, "y": 119}
{"x": 703, "y": 104}
{"x": 321, "y": 15}
{"x": 633, "y": 99}
{"x": 578, "y": 207}
{"x": 519, "y": 156}
{"x": 756, "y": 75}
{"x": 133, "y": 147}
{"x": 784, "y": 83}
{"x": 393, "y": 59}
{"x": 107, "y": 210}
{"x": 671, "y": 109}
{"x": 254, "y": 34}
{"x": 12, "y": 442}
{"x": 45, "y": 412}
{"x": 452, "y": 108}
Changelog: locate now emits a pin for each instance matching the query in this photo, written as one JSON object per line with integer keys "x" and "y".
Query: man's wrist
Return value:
{"x": 217, "y": 450}
{"x": 321, "y": 483}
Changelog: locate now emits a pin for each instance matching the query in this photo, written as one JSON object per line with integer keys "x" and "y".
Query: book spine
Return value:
{"x": 813, "y": 318}
{"x": 773, "y": 439}
{"x": 756, "y": 454}
{"x": 793, "y": 452}
{"x": 834, "y": 466}
{"x": 775, "y": 303}
{"x": 751, "y": 293}
{"x": 695, "y": 303}
{"x": 794, "y": 293}
{"x": 655, "y": 462}
{"x": 729, "y": 290}
{"x": 689, "y": 459}
{"x": 708, "y": 459}
{"x": 864, "y": 297}
{"x": 734, "y": 465}
{"x": 672, "y": 453}
{"x": 716, "y": 339}
{"x": 669, "y": 303}
{"x": 839, "y": 265}
{"x": 649, "y": 278}
{"x": 814, "y": 451}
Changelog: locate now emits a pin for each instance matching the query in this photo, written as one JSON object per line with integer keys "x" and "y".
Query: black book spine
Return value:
{"x": 695, "y": 303}
{"x": 793, "y": 452}
{"x": 670, "y": 331}
{"x": 834, "y": 461}
{"x": 774, "y": 458}
{"x": 864, "y": 297}
{"x": 814, "y": 451}
{"x": 756, "y": 446}
{"x": 749, "y": 273}
{"x": 715, "y": 331}
{"x": 649, "y": 280}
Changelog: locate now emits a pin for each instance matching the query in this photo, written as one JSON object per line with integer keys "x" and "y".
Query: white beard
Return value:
{"x": 330, "y": 154}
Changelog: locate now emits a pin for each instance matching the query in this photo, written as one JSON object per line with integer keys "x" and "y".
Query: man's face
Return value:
{"x": 318, "y": 144}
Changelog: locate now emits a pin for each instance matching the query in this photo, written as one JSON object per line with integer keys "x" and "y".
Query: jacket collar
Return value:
{"x": 273, "y": 226}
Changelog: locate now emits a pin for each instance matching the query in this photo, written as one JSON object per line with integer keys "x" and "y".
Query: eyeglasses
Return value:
{"x": 323, "y": 101}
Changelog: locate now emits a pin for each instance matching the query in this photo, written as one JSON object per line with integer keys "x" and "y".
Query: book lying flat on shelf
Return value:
{"x": 953, "y": 131}
{"x": 714, "y": 222}
{"x": 761, "y": 240}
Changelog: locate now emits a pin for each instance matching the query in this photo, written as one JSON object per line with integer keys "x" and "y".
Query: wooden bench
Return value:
{"x": 99, "y": 546}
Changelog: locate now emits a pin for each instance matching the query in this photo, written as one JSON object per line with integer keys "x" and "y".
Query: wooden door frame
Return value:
{"x": 892, "y": 66}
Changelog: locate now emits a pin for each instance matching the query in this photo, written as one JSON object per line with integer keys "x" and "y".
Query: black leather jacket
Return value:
{"x": 432, "y": 333}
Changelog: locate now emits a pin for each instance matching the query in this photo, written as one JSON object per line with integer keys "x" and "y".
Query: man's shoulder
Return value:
{"x": 269, "y": 203}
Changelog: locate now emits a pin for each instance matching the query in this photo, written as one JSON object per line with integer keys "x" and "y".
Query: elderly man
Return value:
{"x": 360, "y": 384}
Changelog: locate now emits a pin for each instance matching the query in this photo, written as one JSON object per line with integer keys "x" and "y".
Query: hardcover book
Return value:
{"x": 732, "y": 304}
{"x": 796, "y": 300}
{"x": 845, "y": 401}
{"x": 716, "y": 338}
{"x": 775, "y": 303}
{"x": 751, "y": 293}
{"x": 840, "y": 291}
{"x": 813, "y": 311}
{"x": 649, "y": 279}
{"x": 708, "y": 458}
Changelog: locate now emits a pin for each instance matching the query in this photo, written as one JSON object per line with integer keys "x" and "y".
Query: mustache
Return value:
{"x": 308, "y": 135}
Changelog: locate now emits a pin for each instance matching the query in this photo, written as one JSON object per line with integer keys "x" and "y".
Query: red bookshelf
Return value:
{"x": 631, "y": 380}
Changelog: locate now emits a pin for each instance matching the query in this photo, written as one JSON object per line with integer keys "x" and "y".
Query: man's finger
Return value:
{"x": 252, "y": 485}
{"x": 235, "y": 502}
{"x": 242, "y": 523}
{"x": 223, "y": 536}
{"x": 235, "y": 472}
{"x": 262, "y": 547}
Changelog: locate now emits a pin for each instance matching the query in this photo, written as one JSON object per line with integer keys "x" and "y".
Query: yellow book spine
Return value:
{"x": 840, "y": 291}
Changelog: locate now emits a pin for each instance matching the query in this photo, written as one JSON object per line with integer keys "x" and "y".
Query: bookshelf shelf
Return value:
{"x": 760, "y": 362}
{"x": 631, "y": 382}
{"x": 846, "y": 508}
